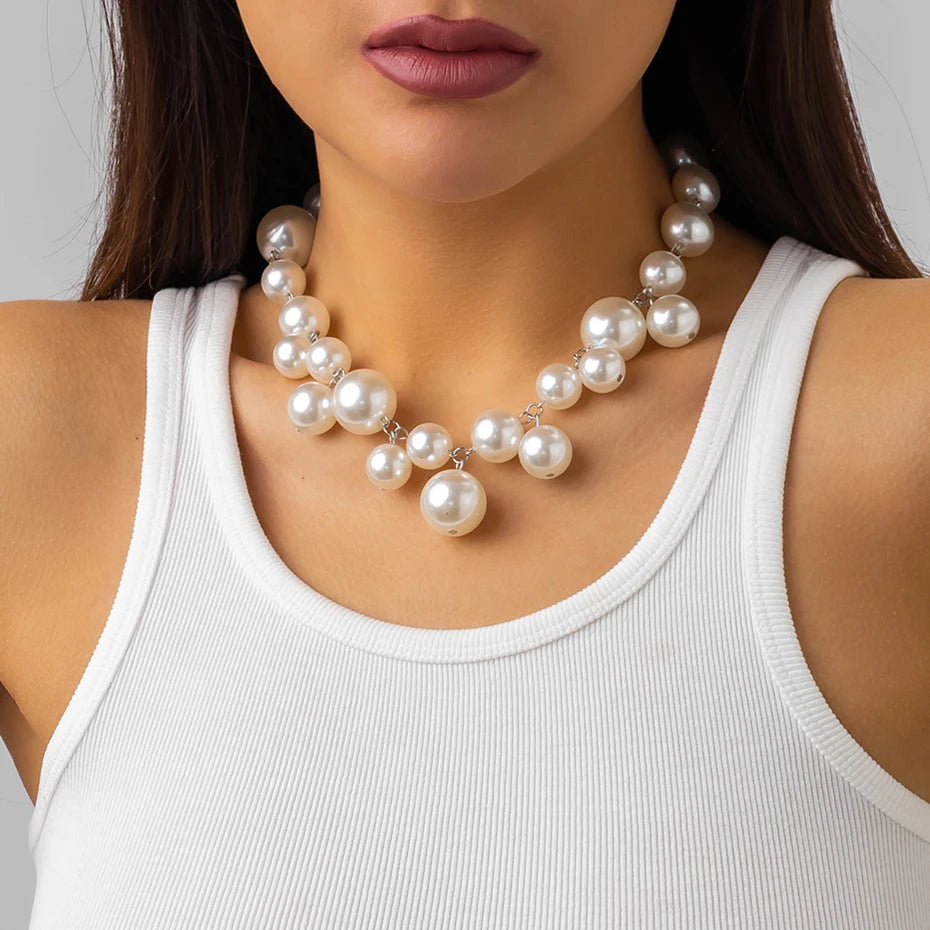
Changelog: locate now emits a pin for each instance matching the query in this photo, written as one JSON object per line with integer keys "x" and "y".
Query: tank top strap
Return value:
{"x": 787, "y": 347}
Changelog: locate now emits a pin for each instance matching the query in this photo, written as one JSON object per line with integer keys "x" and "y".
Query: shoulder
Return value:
{"x": 857, "y": 517}
{"x": 72, "y": 388}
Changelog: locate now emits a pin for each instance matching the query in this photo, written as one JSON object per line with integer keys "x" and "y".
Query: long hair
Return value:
{"x": 202, "y": 144}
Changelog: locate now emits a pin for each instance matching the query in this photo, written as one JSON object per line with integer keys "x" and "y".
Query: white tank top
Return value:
{"x": 652, "y": 751}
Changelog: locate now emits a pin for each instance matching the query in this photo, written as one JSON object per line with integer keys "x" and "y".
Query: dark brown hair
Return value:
{"x": 202, "y": 144}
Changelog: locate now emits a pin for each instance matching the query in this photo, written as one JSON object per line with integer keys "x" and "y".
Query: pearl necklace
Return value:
{"x": 363, "y": 400}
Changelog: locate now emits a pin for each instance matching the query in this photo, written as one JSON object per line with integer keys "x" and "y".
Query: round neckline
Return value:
{"x": 215, "y": 307}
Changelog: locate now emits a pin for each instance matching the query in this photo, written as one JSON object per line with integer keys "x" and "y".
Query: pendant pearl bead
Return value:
{"x": 388, "y": 466}
{"x": 310, "y": 408}
{"x": 453, "y": 502}
{"x": 496, "y": 435}
{"x": 673, "y": 320}
{"x": 361, "y": 398}
{"x": 545, "y": 451}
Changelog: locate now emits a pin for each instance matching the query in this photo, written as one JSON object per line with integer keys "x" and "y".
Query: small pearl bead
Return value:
{"x": 302, "y": 315}
{"x": 496, "y": 435}
{"x": 280, "y": 277}
{"x": 429, "y": 445}
{"x": 688, "y": 224}
{"x": 545, "y": 451}
{"x": 673, "y": 320}
{"x": 453, "y": 502}
{"x": 361, "y": 398}
{"x": 325, "y": 355}
{"x": 310, "y": 408}
{"x": 695, "y": 182}
{"x": 558, "y": 385}
{"x": 614, "y": 321}
{"x": 289, "y": 231}
{"x": 388, "y": 466}
{"x": 602, "y": 369}
{"x": 663, "y": 271}
{"x": 290, "y": 356}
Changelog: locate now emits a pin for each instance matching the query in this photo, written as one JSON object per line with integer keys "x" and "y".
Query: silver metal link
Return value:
{"x": 459, "y": 451}
{"x": 529, "y": 413}
{"x": 393, "y": 429}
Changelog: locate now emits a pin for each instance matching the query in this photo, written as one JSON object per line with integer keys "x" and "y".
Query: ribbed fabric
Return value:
{"x": 652, "y": 751}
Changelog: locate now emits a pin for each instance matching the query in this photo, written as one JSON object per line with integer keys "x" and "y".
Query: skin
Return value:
{"x": 460, "y": 244}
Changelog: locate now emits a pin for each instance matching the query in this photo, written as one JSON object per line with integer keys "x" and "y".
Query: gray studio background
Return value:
{"x": 51, "y": 164}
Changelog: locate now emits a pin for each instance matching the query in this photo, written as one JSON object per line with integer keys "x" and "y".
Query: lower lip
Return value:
{"x": 450, "y": 74}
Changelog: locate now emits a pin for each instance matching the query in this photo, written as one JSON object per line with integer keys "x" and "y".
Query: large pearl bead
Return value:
{"x": 388, "y": 466}
{"x": 290, "y": 356}
{"x": 310, "y": 408}
{"x": 673, "y": 320}
{"x": 303, "y": 315}
{"x": 453, "y": 502}
{"x": 688, "y": 224}
{"x": 558, "y": 386}
{"x": 602, "y": 369}
{"x": 282, "y": 278}
{"x": 325, "y": 355}
{"x": 663, "y": 271}
{"x": 614, "y": 321}
{"x": 361, "y": 398}
{"x": 695, "y": 182}
{"x": 429, "y": 445}
{"x": 289, "y": 231}
{"x": 545, "y": 451}
{"x": 496, "y": 435}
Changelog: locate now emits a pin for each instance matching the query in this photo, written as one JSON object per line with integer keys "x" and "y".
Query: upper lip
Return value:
{"x": 446, "y": 35}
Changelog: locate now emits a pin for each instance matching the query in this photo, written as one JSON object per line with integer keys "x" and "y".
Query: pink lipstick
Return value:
{"x": 449, "y": 58}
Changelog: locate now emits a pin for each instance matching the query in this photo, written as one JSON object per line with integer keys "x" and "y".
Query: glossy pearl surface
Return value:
{"x": 290, "y": 356}
{"x": 663, "y": 271}
{"x": 312, "y": 200}
{"x": 614, "y": 321}
{"x": 429, "y": 445}
{"x": 673, "y": 321}
{"x": 388, "y": 466}
{"x": 695, "y": 182}
{"x": 361, "y": 398}
{"x": 681, "y": 148}
{"x": 602, "y": 369}
{"x": 688, "y": 224}
{"x": 303, "y": 314}
{"x": 558, "y": 385}
{"x": 310, "y": 408}
{"x": 453, "y": 502}
{"x": 325, "y": 355}
{"x": 289, "y": 231}
{"x": 496, "y": 435}
{"x": 545, "y": 451}
{"x": 279, "y": 279}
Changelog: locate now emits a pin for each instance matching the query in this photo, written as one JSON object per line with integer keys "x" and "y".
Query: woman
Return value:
{"x": 246, "y": 689}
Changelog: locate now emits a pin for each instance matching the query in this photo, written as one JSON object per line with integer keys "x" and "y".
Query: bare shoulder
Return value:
{"x": 857, "y": 518}
{"x": 72, "y": 383}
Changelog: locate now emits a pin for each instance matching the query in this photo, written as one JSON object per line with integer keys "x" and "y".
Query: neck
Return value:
{"x": 466, "y": 302}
